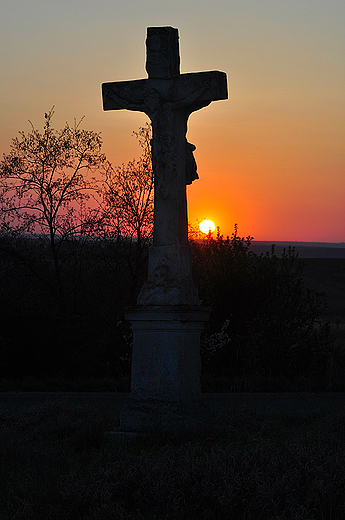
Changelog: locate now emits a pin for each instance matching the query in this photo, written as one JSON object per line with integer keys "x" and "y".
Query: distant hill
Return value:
{"x": 304, "y": 249}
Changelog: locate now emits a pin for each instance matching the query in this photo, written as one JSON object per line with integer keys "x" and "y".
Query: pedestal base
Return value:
{"x": 166, "y": 367}
{"x": 153, "y": 416}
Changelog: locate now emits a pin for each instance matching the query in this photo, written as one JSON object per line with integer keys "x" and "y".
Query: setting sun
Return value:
{"x": 207, "y": 226}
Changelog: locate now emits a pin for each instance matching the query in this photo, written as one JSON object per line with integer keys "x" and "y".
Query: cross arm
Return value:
{"x": 198, "y": 89}
{"x": 124, "y": 95}
{"x": 193, "y": 91}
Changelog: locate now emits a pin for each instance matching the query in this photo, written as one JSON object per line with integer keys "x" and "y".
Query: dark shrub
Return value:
{"x": 264, "y": 321}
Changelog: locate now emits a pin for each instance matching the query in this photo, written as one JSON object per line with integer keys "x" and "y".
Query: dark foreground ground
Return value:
{"x": 266, "y": 457}
{"x": 283, "y": 402}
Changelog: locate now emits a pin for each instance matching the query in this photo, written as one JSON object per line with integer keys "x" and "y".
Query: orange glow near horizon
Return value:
{"x": 274, "y": 183}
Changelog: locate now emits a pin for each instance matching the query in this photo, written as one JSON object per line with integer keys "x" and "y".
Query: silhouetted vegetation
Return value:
{"x": 86, "y": 339}
{"x": 264, "y": 332}
{"x": 127, "y": 216}
{"x": 68, "y": 269}
{"x": 46, "y": 183}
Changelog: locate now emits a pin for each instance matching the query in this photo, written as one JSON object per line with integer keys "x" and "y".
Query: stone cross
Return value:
{"x": 166, "y": 324}
{"x": 168, "y": 98}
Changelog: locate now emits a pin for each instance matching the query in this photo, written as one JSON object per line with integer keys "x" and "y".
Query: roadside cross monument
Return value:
{"x": 165, "y": 385}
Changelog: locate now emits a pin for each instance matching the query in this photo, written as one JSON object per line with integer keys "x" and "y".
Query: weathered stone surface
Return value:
{"x": 169, "y": 277}
{"x": 191, "y": 91}
{"x": 162, "y": 51}
{"x": 166, "y": 352}
{"x": 165, "y": 384}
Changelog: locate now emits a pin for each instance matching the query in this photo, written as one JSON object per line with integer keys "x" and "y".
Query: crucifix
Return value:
{"x": 168, "y": 98}
{"x": 166, "y": 324}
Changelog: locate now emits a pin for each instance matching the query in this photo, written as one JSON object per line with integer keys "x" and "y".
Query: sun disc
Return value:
{"x": 207, "y": 226}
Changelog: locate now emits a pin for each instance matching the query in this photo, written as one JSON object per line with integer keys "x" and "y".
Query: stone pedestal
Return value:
{"x": 165, "y": 385}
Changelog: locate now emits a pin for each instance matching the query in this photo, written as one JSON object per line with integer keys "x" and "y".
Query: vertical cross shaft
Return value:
{"x": 168, "y": 98}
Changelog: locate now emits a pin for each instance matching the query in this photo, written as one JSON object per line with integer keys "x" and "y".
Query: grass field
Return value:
{"x": 56, "y": 464}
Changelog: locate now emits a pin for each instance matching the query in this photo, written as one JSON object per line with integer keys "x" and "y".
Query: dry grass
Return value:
{"x": 251, "y": 465}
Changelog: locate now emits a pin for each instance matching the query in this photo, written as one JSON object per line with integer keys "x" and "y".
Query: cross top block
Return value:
{"x": 162, "y": 52}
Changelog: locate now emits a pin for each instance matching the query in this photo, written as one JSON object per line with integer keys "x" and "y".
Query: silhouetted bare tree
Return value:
{"x": 127, "y": 195}
{"x": 46, "y": 183}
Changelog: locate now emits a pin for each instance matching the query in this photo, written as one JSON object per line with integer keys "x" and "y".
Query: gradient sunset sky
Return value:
{"x": 271, "y": 158}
